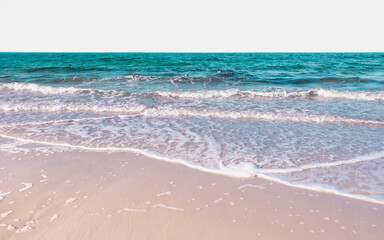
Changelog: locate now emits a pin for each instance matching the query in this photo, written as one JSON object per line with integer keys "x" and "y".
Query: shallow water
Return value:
{"x": 310, "y": 120}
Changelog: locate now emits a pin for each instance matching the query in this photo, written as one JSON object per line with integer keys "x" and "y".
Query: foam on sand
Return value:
{"x": 277, "y": 94}
{"x": 54, "y": 218}
{"x": 2, "y": 195}
{"x": 70, "y": 200}
{"x": 27, "y": 227}
{"x": 4, "y": 214}
{"x": 26, "y": 186}
{"x": 164, "y": 193}
{"x": 161, "y": 205}
{"x": 244, "y": 170}
{"x": 219, "y": 199}
{"x": 8, "y": 226}
{"x": 251, "y": 186}
{"x": 134, "y": 210}
{"x": 200, "y": 94}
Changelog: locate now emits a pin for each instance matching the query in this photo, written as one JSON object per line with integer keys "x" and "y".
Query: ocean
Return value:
{"x": 308, "y": 120}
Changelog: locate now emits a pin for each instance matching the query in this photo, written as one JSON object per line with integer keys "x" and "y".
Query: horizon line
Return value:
{"x": 191, "y": 52}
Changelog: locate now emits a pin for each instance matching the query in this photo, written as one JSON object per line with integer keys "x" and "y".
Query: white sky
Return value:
{"x": 197, "y": 26}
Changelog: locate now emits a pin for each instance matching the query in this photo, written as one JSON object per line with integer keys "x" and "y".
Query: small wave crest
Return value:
{"x": 255, "y": 116}
{"x": 48, "y": 90}
{"x": 278, "y": 94}
{"x": 201, "y": 94}
{"x": 70, "y": 107}
{"x": 126, "y": 78}
{"x": 31, "y": 87}
{"x": 180, "y": 112}
{"x": 367, "y": 96}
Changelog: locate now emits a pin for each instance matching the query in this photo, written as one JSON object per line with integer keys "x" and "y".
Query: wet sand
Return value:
{"x": 51, "y": 192}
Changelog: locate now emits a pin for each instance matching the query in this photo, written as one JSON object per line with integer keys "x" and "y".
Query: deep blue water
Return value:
{"x": 350, "y": 71}
{"x": 308, "y": 119}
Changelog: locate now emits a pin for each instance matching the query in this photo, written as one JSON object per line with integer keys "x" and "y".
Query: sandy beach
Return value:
{"x": 50, "y": 192}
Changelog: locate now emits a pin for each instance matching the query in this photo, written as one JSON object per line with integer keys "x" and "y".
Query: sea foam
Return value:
{"x": 277, "y": 94}
{"x": 201, "y": 94}
{"x": 179, "y": 112}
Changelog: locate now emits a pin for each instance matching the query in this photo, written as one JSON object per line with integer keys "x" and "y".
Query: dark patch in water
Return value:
{"x": 331, "y": 80}
{"x": 336, "y": 80}
{"x": 5, "y": 76}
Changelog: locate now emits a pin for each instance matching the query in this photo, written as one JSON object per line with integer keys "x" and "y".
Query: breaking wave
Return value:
{"x": 70, "y": 107}
{"x": 202, "y": 94}
{"x": 278, "y": 94}
{"x": 48, "y": 90}
{"x": 179, "y": 112}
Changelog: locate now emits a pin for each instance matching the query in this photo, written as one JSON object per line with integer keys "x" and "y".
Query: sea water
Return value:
{"x": 310, "y": 120}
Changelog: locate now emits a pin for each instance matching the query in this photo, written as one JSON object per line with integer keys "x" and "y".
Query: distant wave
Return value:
{"x": 48, "y": 90}
{"x": 174, "y": 112}
{"x": 126, "y": 78}
{"x": 202, "y": 94}
{"x": 368, "y": 96}
{"x": 284, "y": 80}
{"x": 31, "y": 87}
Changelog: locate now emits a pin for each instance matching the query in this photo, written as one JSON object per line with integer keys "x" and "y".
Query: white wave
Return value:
{"x": 169, "y": 111}
{"x": 199, "y": 94}
{"x": 31, "y": 87}
{"x": 130, "y": 78}
{"x": 367, "y": 96}
{"x": 202, "y": 94}
{"x": 71, "y": 107}
{"x": 324, "y": 93}
{"x": 49, "y": 90}
{"x": 253, "y": 115}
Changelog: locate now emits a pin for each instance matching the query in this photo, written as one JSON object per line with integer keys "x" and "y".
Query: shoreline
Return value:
{"x": 61, "y": 193}
{"x": 223, "y": 171}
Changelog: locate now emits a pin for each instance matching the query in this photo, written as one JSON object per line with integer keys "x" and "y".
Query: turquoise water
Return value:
{"x": 313, "y": 120}
{"x": 246, "y": 71}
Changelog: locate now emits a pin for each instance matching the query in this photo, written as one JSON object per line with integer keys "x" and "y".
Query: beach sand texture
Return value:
{"x": 49, "y": 192}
